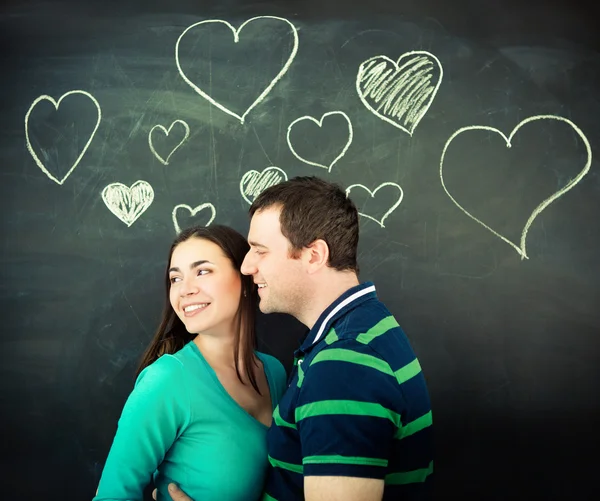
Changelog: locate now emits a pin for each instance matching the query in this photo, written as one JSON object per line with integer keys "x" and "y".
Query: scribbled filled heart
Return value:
{"x": 229, "y": 75}
{"x": 205, "y": 213}
{"x": 183, "y": 131}
{"x": 29, "y": 140}
{"x": 128, "y": 203}
{"x": 522, "y": 247}
{"x": 254, "y": 182}
{"x": 399, "y": 195}
{"x": 400, "y": 92}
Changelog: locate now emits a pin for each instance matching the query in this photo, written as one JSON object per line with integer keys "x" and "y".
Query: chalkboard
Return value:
{"x": 466, "y": 133}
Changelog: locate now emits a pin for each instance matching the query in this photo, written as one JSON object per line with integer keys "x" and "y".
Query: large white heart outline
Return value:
{"x": 130, "y": 217}
{"x": 193, "y": 212}
{"x": 262, "y": 187}
{"x": 372, "y": 193}
{"x": 56, "y": 104}
{"x": 320, "y": 124}
{"x": 236, "y": 38}
{"x": 395, "y": 64}
{"x": 522, "y": 249}
{"x": 167, "y": 132}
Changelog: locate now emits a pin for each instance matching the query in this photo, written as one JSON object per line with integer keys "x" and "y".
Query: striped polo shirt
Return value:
{"x": 357, "y": 405}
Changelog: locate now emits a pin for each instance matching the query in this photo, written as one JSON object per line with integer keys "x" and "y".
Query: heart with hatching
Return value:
{"x": 522, "y": 247}
{"x": 56, "y": 104}
{"x": 400, "y": 92}
{"x": 254, "y": 182}
{"x": 166, "y": 132}
{"x": 397, "y": 197}
{"x": 128, "y": 202}
{"x": 267, "y": 42}
{"x": 207, "y": 213}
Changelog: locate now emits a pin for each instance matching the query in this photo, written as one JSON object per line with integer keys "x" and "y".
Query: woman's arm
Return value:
{"x": 154, "y": 415}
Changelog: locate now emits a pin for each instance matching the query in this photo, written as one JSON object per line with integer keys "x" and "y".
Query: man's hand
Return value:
{"x": 176, "y": 494}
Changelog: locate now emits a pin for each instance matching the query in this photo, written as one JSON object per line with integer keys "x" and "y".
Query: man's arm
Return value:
{"x": 317, "y": 488}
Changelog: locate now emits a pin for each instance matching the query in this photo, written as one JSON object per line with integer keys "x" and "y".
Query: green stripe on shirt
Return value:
{"x": 346, "y": 407}
{"x": 266, "y": 497}
{"x": 354, "y": 357}
{"x": 331, "y": 337}
{"x": 380, "y": 328}
{"x": 414, "y": 426}
{"x": 409, "y": 477}
{"x": 279, "y": 421}
{"x": 408, "y": 371}
{"x": 344, "y": 460}
{"x": 296, "y": 468}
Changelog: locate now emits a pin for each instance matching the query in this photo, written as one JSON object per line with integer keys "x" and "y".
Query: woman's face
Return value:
{"x": 205, "y": 287}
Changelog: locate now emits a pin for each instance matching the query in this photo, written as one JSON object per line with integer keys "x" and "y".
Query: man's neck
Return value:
{"x": 325, "y": 292}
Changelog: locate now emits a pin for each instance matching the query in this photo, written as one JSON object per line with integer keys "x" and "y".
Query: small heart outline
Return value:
{"x": 167, "y": 132}
{"x": 260, "y": 174}
{"x": 372, "y": 193}
{"x": 111, "y": 190}
{"x": 320, "y": 124}
{"x": 193, "y": 212}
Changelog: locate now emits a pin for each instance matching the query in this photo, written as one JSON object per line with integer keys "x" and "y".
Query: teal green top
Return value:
{"x": 180, "y": 425}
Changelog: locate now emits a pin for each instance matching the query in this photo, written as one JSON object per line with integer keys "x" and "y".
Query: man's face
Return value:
{"x": 279, "y": 277}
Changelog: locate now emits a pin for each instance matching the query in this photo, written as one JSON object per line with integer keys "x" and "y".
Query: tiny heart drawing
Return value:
{"x": 372, "y": 193}
{"x": 400, "y": 92}
{"x": 320, "y": 124}
{"x": 236, "y": 39}
{"x": 254, "y": 182}
{"x": 128, "y": 203}
{"x": 167, "y": 132}
{"x": 56, "y": 105}
{"x": 193, "y": 212}
{"x": 522, "y": 248}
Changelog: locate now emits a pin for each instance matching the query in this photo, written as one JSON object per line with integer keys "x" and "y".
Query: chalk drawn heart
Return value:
{"x": 167, "y": 132}
{"x": 56, "y": 105}
{"x": 236, "y": 39}
{"x": 372, "y": 193}
{"x": 320, "y": 124}
{"x": 193, "y": 212}
{"x": 128, "y": 203}
{"x": 254, "y": 182}
{"x": 400, "y": 92}
{"x": 522, "y": 248}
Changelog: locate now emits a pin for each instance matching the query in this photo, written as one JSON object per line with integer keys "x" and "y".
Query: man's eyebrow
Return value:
{"x": 256, "y": 244}
{"x": 195, "y": 264}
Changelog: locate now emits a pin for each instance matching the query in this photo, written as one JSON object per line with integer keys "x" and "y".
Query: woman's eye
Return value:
{"x": 203, "y": 272}
{"x": 174, "y": 279}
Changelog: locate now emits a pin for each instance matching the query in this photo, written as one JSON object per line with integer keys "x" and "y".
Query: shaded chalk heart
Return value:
{"x": 166, "y": 132}
{"x": 320, "y": 124}
{"x": 208, "y": 207}
{"x": 236, "y": 39}
{"x": 56, "y": 105}
{"x": 400, "y": 92}
{"x": 128, "y": 203}
{"x": 522, "y": 248}
{"x": 254, "y": 182}
{"x": 373, "y": 193}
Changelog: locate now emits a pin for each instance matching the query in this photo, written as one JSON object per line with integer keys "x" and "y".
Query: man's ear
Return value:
{"x": 316, "y": 255}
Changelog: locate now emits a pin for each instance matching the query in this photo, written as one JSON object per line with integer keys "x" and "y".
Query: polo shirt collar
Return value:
{"x": 342, "y": 305}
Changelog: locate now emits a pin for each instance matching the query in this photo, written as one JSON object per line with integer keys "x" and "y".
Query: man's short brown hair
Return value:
{"x": 312, "y": 209}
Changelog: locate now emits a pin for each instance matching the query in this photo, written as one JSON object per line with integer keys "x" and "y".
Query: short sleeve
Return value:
{"x": 153, "y": 417}
{"x": 347, "y": 412}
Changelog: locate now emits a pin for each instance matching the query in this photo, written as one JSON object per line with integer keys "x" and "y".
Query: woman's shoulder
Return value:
{"x": 272, "y": 363}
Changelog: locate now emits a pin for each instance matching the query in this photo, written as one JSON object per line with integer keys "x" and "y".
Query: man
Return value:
{"x": 355, "y": 422}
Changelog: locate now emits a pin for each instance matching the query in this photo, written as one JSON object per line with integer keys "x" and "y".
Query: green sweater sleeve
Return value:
{"x": 154, "y": 416}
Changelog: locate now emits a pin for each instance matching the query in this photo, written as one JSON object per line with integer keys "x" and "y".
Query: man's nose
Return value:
{"x": 248, "y": 267}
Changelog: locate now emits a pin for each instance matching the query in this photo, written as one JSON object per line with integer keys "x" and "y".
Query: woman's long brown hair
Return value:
{"x": 172, "y": 335}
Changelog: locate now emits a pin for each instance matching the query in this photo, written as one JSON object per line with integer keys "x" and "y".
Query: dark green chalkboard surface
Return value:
{"x": 466, "y": 132}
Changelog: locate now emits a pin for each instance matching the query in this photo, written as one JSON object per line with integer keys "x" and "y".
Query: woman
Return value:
{"x": 203, "y": 400}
